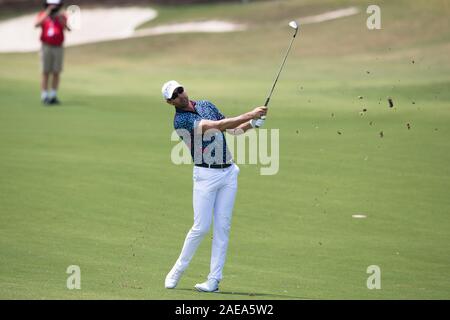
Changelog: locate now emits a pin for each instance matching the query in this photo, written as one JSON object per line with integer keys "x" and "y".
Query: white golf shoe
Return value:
{"x": 210, "y": 285}
{"x": 172, "y": 278}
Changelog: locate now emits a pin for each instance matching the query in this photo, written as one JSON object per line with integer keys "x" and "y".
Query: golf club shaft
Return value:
{"x": 279, "y": 72}
{"x": 278, "y": 75}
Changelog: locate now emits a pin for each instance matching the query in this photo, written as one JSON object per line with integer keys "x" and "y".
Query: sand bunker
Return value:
{"x": 19, "y": 34}
{"x": 202, "y": 26}
{"x": 331, "y": 15}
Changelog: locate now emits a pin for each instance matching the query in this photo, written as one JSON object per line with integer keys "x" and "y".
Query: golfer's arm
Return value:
{"x": 227, "y": 123}
{"x": 240, "y": 129}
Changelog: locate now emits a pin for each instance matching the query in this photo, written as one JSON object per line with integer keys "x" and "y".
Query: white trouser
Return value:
{"x": 214, "y": 191}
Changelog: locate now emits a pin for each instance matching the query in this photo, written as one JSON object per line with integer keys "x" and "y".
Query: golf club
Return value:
{"x": 294, "y": 26}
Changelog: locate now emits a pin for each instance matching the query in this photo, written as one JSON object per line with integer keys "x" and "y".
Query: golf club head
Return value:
{"x": 293, "y": 24}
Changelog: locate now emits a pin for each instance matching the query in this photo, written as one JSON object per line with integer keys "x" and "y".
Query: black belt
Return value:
{"x": 214, "y": 166}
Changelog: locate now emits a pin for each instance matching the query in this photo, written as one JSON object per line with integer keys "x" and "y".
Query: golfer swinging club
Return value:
{"x": 215, "y": 181}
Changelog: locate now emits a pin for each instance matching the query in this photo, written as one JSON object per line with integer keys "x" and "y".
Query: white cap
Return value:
{"x": 168, "y": 88}
{"x": 53, "y": 1}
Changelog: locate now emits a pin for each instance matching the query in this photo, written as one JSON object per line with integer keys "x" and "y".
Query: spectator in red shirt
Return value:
{"x": 53, "y": 23}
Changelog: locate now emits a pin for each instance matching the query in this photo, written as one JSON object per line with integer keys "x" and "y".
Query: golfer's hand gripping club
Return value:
{"x": 259, "y": 112}
{"x": 257, "y": 115}
{"x": 265, "y": 105}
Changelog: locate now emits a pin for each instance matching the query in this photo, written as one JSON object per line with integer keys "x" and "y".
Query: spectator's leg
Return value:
{"x": 55, "y": 85}
{"x": 57, "y": 65}
{"x": 55, "y": 81}
{"x": 44, "y": 86}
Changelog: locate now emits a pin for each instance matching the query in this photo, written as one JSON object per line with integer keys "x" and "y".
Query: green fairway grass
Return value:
{"x": 91, "y": 182}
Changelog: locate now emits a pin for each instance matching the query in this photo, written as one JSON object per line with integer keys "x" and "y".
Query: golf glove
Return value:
{"x": 258, "y": 123}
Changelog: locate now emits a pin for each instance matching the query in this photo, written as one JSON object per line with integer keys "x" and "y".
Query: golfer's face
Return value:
{"x": 180, "y": 98}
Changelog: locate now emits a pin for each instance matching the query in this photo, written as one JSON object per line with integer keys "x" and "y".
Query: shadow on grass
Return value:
{"x": 248, "y": 294}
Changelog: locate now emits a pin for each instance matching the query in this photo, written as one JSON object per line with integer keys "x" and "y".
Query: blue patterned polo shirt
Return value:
{"x": 209, "y": 147}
